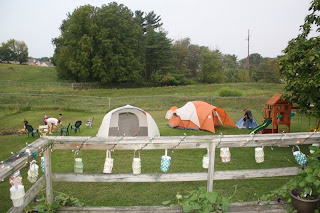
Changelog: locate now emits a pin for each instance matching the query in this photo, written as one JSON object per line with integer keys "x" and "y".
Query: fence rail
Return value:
{"x": 132, "y": 143}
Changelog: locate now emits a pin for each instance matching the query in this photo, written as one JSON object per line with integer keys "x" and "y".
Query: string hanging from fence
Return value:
{"x": 309, "y": 136}
{"x": 147, "y": 143}
{"x": 221, "y": 136}
{"x": 9, "y": 166}
{"x": 76, "y": 152}
{"x": 249, "y": 140}
{"x": 48, "y": 146}
{"x": 112, "y": 148}
{"x": 182, "y": 139}
{"x": 280, "y": 139}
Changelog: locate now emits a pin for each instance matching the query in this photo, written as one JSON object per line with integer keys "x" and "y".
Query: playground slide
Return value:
{"x": 264, "y": 125}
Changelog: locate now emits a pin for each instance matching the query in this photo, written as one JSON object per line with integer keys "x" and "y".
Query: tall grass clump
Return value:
{"x": 228, "y": 92}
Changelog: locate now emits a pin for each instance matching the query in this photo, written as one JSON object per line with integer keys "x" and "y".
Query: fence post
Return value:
{"x": 212, "y": 150}
{"x": 109, "y": 103}
{"x": 48, "y": 175}
{"x": 235, "y": 103}
{"x": 71, "y": 86}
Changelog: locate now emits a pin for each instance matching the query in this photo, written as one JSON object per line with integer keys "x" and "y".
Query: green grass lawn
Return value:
{"x": 117, "y": 194}
{"x": 126, "y": 194}
{"x": 26, "y": 73}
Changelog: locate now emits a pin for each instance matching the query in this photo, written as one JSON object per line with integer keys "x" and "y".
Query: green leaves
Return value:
{"x": 59, "y": 200}
{"x": 300, "y": 65}
{"x": 167, "y": 202}
{"x": 14, "y": 50}
{"x": 100, "y": 44}
{"x": 202, "y": 201}
{"x": 307, "y": 180}
{"x": 212, "y": 196}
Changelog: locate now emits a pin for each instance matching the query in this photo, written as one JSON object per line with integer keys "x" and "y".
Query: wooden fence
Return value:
{"x": 44, "y": 144}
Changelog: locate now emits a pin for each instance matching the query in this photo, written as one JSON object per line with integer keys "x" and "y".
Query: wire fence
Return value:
{"x": 59, "y": 85}
{"x": 104, "y": 104}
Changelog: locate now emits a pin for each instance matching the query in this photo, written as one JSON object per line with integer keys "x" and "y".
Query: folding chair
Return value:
{"x": 31, "y": 130}
{"x": 43, "y": 129}
{"x": 65, "y": 130}
{"x": 89, "y": 122}
{"x": 76, "y": 126}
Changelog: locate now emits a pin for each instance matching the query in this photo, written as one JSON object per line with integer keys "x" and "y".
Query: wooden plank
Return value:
{"x": 174, "y": 177}
{"x": 191, "y": 142}
{"x": 48, "y": 175}
{"x": 117, "y": 209}
{"x": 124, "y": 177}
{"x": 253, "y": 207}
{"x": 212, "y": 150}
{"x": 30, "y": 194}
{"x": 255, "y": 173}
{"x": 20, "y": 159}
{"x": 244, "y": 207}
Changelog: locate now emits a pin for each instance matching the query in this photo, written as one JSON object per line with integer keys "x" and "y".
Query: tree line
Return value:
{"x": 112, "y": 44}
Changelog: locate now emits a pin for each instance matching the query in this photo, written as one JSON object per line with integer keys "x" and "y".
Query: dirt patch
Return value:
{"x": 13, "y": 132}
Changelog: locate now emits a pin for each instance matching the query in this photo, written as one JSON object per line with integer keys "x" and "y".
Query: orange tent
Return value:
{"x": 170, "y": 112}
{"x": 200, "y": 115}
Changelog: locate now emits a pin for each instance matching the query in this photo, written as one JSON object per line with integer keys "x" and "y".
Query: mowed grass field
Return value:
{"x": 127, "y": 194}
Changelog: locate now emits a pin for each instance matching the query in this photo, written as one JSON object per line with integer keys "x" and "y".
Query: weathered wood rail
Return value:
{"x": 20, "y": 159}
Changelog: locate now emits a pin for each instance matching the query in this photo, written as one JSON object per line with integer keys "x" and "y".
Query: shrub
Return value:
{"x": 200, "y": 200}
{"x": 227, "y": 92}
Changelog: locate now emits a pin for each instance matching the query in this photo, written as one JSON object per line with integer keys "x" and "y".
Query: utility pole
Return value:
{"x": 248, "y": 61}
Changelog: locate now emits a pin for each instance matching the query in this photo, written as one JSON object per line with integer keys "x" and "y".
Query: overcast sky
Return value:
{"x": 218, "y": 24}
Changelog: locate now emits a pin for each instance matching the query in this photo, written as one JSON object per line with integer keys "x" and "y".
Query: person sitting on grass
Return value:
{"x": 52, "y": 123}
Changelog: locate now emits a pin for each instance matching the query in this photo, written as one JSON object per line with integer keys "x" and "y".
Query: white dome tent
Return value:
{"x": 129, "y": 121}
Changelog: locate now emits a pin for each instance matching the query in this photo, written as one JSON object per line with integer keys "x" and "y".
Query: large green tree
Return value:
{"x": 100, "y": 44}
{"x": 6, "y": 54}
{"x": 193, "y": 59}
{"x": 211, "y": 66}
{"x": 300, "y": 66}
{"x": 159, "y": 59}
{"x": 14, "y": 50}
{"x": 112, "y": 44}
{"x": 230, "y": 68}
{"x": 157, "y": 50}
{"x": 268, "y": 71}
{"x": 187, "y": 57}
{"x": 181, "y": 53}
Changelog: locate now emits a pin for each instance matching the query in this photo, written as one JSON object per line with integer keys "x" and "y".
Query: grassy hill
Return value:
{"x": 35, "y": 75}
{"x": 27, "y": 73}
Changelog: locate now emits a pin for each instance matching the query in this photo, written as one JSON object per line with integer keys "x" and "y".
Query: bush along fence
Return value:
{"x": 44, "y": 145}
{"x": 103, "y": 104}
